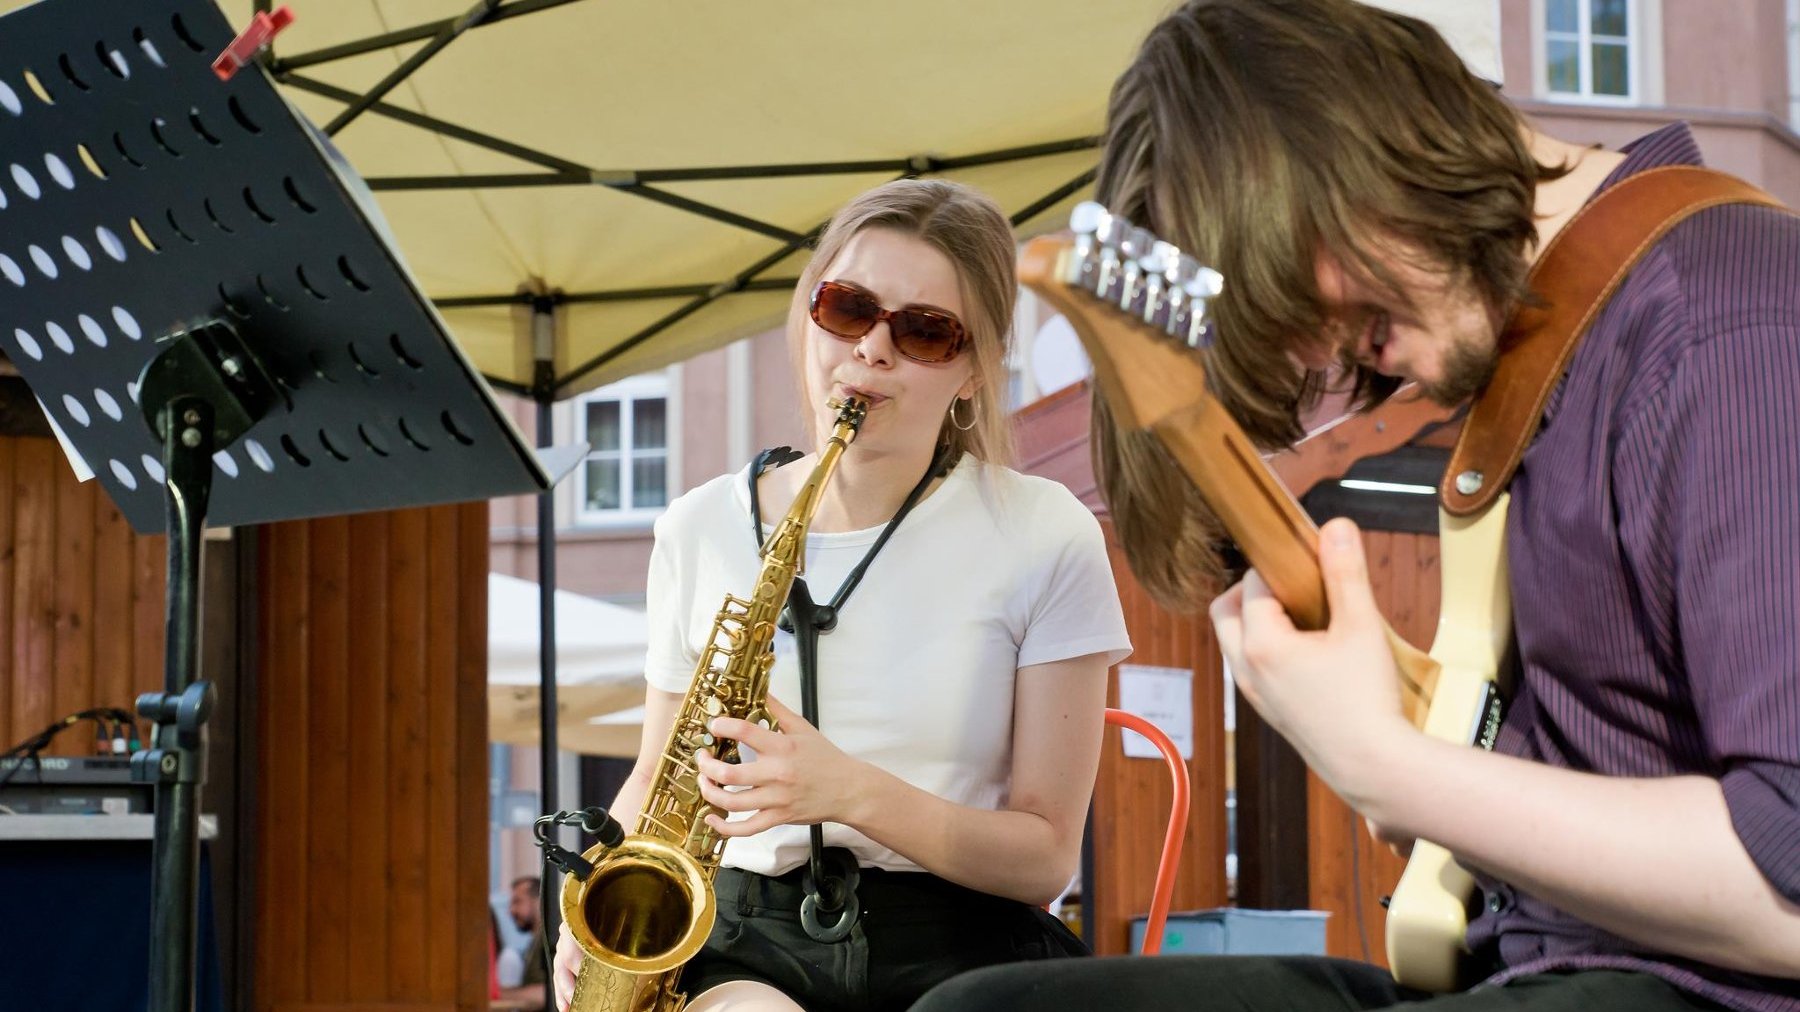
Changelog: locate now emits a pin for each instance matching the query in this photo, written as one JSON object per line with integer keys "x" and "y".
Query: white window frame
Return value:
{"x": 645, "y": 387}
{"x": 1637, "y": 51}
{"x": 1793, "y": 30}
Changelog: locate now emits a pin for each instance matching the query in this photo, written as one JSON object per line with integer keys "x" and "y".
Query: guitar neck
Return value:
{"x": 1271, "y": 529}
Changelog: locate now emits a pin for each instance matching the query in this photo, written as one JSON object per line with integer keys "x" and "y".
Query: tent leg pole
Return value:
{"x": 543, "y": 333}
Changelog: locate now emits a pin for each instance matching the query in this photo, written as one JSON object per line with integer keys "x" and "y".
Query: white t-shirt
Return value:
{"x": 994, "y": 571}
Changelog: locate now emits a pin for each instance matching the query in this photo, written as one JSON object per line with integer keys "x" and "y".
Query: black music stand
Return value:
{"x": 190, "y": 253}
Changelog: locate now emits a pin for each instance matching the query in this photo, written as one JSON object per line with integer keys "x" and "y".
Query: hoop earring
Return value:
{"x": 972, "y": 417}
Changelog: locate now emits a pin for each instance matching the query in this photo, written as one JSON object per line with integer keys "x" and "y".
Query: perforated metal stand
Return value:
{"x": 195, "y": 248}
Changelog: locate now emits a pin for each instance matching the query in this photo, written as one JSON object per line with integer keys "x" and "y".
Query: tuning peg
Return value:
{"x": 1133, "y": 245}
{"x": 1112, "y": 228}
{"x": 1202, "y": 284}
{"x": 1111, "y": 234}
{"x": 1199, "y": 331}
{"x": 1180, "y": 271}
{"x": 1205, "y": 284}
{"x": 1157, "y": 264}
{"x": 1087, "y": 216}
{"x": 1160, "y": 257}
{"x": 1085, "y": 221}
{"x": 1183, "y": 270}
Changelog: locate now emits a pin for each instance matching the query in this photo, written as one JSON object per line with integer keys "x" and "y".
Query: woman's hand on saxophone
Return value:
{"x": 563, "y": 970}
{"x": 799, "y": 777}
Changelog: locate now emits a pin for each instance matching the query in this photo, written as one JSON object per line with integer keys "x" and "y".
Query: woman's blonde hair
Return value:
{"x": 969, "y": 229}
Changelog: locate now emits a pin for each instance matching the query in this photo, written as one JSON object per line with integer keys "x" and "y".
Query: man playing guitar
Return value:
{"x": 1375, "y": 210}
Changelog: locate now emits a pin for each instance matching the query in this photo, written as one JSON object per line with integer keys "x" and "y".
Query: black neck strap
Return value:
{"x": 828, "y": 890}
{"x": 825, "y": 616}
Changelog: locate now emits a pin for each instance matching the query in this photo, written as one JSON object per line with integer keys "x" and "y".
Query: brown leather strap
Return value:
{"x": 1573, "y": 280}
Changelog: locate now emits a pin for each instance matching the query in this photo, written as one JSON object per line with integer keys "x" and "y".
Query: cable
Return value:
{"x": 27, "y": 750}
{"x": 1356, "y": 887}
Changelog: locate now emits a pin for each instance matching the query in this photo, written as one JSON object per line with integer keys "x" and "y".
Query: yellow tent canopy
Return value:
{"x": 648, "y": 174}
{"x": 622, "y": 184}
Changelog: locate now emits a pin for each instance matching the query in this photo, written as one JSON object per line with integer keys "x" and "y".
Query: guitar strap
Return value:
{"x": 1573, "y": 279}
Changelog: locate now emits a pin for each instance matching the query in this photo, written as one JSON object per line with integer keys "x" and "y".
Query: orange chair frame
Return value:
{"x": 1166, "y": 869}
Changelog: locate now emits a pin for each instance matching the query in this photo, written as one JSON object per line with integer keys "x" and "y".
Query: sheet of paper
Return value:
{"x": 82, "y": 471}
{"x": 1162, "y": 696}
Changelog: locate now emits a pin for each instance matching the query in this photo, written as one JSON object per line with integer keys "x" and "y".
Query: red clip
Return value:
{"x": 262, "y": 31}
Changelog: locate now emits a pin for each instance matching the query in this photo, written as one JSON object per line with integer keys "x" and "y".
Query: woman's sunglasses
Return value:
{"x": 923, "y": 335}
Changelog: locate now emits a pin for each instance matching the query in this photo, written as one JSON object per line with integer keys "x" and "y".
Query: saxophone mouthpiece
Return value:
{"x": 851, "y": 411}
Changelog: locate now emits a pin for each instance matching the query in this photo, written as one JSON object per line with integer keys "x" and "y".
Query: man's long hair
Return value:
{"x": 1258, "y": 135}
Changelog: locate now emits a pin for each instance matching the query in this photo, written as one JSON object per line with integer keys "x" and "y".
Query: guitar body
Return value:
{"x": 1158, "y": 385}
{"x": 1427, "y": 918}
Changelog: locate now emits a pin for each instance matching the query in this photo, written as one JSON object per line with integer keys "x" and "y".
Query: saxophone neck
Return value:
{"x": 789, "y": 542}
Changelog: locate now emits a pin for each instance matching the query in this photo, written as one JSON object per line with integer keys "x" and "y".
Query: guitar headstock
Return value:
{"x": 1138, "y": 304}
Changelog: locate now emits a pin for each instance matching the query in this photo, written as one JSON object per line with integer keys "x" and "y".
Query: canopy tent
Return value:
{"x": 590, "y": 190}
{"x": 599, "y": 662}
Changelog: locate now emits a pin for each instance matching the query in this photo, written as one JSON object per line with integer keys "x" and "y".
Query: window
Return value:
{"x": 1588, "y": 50}
{"x": 1793, "y": 30}
{"x": 627, "y": 429}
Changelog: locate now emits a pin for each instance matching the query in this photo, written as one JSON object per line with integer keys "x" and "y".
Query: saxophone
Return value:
{"x": 648, "y": 905}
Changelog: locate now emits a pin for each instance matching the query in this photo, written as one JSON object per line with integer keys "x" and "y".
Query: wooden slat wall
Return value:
{"x": 81, "y": 598}
{"x": 372, "y": 815}
{"x": 1348, "y": 871}
{"x": 1131, "y": 799}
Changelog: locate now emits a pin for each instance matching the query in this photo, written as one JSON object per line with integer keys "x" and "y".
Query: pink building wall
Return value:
{"x": 1724, "y": 71}
{"x": 610, "y": 562}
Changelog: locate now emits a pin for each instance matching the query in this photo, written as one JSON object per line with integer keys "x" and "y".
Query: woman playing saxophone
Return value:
{"x": 959, "y": 688}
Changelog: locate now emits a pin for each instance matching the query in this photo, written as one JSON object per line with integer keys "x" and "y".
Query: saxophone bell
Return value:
{"x": 646, "y": 909}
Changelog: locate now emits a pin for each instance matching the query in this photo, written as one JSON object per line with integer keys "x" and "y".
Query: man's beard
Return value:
{"x": 1468, "y": 366}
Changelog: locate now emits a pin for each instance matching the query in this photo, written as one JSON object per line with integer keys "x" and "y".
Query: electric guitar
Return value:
{"x": 1139, "y": 306}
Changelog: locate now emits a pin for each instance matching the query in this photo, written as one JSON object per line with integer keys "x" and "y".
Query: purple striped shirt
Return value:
{"x": 1654, "y": 540}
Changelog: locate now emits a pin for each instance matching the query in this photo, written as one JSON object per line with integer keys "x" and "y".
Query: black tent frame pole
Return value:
{"x": 610, "y": 295}
{"x": 1049, "y": 200}
{"x": 543, "y": 333}
{"x": 748, "y": 275}
{"x": 401, "y": 37}
{"x": 624, "y": 178}
{"x": 449, "y": 33}
{"x": 718, "y": 291}
{"x": 570, "y": 172}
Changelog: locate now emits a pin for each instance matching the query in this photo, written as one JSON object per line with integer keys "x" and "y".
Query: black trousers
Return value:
{"x": 916, "y": 931}
{"x": 1261, "y": 983}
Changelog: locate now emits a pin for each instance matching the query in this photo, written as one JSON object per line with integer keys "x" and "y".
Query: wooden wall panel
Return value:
{"x": 72, "y": 600}
{"x": 76, "y": 610}
{"x": 1132, "y": 797}
{"x": 408, "y": 730}
{"x": 371, "y": 828}
{"x": 1349, "y": 872}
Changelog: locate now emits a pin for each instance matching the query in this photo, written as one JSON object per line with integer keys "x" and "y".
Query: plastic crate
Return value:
{"x": 1229, "y": 931}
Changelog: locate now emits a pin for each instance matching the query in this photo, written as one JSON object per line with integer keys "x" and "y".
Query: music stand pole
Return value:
{"x": 199, "y": 394}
